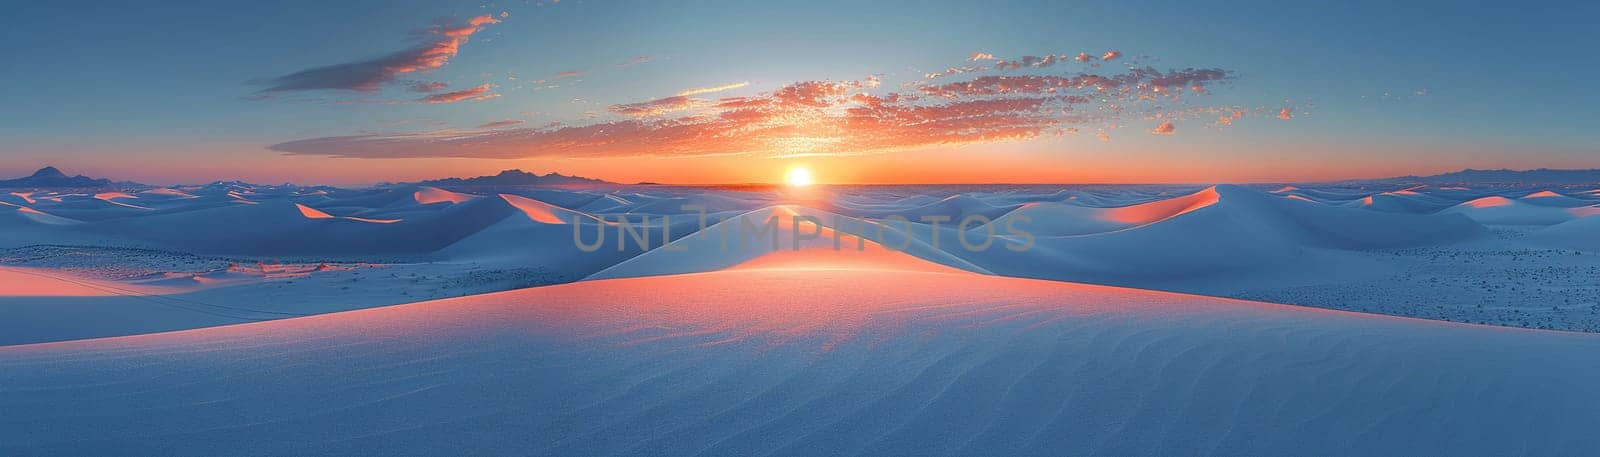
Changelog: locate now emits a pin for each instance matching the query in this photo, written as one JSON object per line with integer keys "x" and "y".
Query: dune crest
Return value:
{"x": 312, "y": 213}
{"x": 1156, "y": 211}
{"x": 545, "y": 213}
{"x": 429, "y": 195}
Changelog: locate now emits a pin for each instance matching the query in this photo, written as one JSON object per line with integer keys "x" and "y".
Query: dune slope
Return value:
{"x": 814, "y": 362}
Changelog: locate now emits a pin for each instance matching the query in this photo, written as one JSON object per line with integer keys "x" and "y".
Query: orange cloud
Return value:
{"x": 712, "y": 89}
{"x": 480, "y": 92}
{"x": 1111, "y": 55}
{"x": 1285, "y": 114}
{"x": 1166, "y": 128}
{"x": 443, "y": 42}
{"x": 823, "y": 118}
{"x": 657, "y": 107}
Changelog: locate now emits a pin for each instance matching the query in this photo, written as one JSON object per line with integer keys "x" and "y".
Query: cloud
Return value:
{"x": 440, "y": 44}
{"x": 480, "y": 92}
{"x": 1111, "y": 55}
{"x": 634, "y": 61}
{"x": 657, "y": 107}
{"x": 977, "y": 56}
{"x": 566, "y": 74}
{"x": 427, "y": 86}
{"x": 1285, "y": 114}
{"x": 999, "y": 85}
{"x": 826, "y": 117}
{"x": 1083, "y": 57}
{"x": 499, "y": 124}
{"x": 1166, "y": 128}
{"x": 707, "y": 90}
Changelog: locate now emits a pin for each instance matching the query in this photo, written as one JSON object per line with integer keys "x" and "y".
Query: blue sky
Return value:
{"x": 113, "y": 89}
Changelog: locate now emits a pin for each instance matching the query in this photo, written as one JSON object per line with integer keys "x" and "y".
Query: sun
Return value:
{"x": 798, "y": 177}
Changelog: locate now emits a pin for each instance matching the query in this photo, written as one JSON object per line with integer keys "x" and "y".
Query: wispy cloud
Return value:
{"x": 501, "y": 124}
{"x": 712, "y": 89}
{"x": 441, "y": 43}
{"x": 480, "y": 92}
{"x": 428, "y": 86}
{"x": 657, "y": 107}
{"x": 634, "y": 61}
{"x": 831, "y": 118}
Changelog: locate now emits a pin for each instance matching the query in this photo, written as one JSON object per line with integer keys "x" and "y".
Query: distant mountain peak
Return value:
{"x": 48, "y": 172}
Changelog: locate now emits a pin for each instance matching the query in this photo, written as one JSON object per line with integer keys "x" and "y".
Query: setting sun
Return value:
{"x": 798, "y": 177}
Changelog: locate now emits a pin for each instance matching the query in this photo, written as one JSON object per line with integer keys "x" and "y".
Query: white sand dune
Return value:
{"x": 607, "y": 203}
{"x": 1058, "y": 219}
{"x": 1061, "y": 219}
{"x": 429, "y": 195}
{"x": 1410, "y": 202}
{"x": 1552, "y": 198}
{"x": 280, "y": 227}
{"x": 1496, "y": 210}
{"x": 1224, "y": 231}
{"x": 539, "y": 234}
{"x": 952, "y": 208}
{"x": 747, "y": 241}
{"x": 18, "y": 198}
{"x": 546, "y": 213}
{"x": 12, "y": 214}
{"x": 166, "y": 192}
{"x": 802, "y": 361}
{"x": 41, "y": 282}
{"x": 1581, "y": 234}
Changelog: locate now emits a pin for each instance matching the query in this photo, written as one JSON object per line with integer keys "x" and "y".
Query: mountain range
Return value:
{"x": 52, "y": 177}
{"x": 516, "y": 178}
{"x": 1506, "y": 176}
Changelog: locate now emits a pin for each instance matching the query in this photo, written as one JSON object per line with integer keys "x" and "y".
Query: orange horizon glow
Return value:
{"x": 1018, "y": 163}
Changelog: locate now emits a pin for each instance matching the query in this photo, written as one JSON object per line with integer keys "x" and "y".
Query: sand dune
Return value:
{"x": 1551, "y": 198}
{"x": 167, "y": 192}
{"x": 1582, "y": 234}
{"x": 1410, "y": 202}
{"x": 1063, "y": 219}
{"x": 832, "y": 361}
{"x": 1505, "y": 211}
{"x": 40, "y": 282}
{"x": 1059, "y": 219}
{"x": 546, "y": 213}
{"x": 748, "y": 241}
{"x": 12, "y": 214}
{"x": 430, "y": 195}
{"x": 1225, "y": 231}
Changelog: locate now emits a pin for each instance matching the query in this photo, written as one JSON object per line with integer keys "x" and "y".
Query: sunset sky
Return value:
{"x": 738, "y": 92}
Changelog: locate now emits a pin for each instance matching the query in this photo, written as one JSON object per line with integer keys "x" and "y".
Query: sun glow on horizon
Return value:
{"x": 798, "y": 177}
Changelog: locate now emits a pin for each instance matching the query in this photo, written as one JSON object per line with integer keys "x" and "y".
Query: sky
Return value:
{"x": 724, "y": 92}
